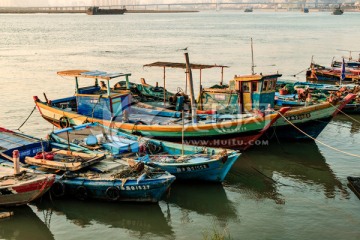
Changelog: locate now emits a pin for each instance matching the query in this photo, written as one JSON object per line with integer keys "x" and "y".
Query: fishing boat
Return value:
{"x": 112, "y": 107}
{"x": 319, "y": 93}
{"x": 331, "y": 75}
{"x": 338, "y": 11}
{"x": 248, "y": 9}
{"x": 113, "y": 180}
{"x": 186, "y": 162}
{"x": 64, "y": 159}
{"x": 257, "y": 91}
{"x": 18, "y": 188}
{"x": 26, "y": 145}
{"x": 102, "y": 11}
{"x": 354, "y": 184}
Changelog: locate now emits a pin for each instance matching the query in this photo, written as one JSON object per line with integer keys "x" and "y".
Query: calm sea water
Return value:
{"x": 279, "y": 191}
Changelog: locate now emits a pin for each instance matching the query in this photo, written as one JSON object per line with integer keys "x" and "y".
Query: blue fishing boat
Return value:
{"x": 186, "y": 162}
{"x": 113, "y": 180}
{"x": 26, "y": 145}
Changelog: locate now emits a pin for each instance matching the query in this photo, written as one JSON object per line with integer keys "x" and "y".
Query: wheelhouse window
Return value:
{"x": 254, "y": 86}
{"x": 245, "y": 87}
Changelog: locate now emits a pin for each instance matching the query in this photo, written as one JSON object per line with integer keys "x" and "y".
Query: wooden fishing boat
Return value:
{"x": 319, "y": 93}
{"x": 258, "y": 91}
{"x": 186, "y": 162}
{"x": 26, "y": 145}
{"x": 354, "y": 184}
{"x": 322, "y": 74}
{"x": 307, "y": 122}
{"x": 100, "y": 180}
{"x": 112, "y": 107}
{"x": 64, "y": 159}
{"x": 114, "y": 180}
{"x": 21, "y": 188}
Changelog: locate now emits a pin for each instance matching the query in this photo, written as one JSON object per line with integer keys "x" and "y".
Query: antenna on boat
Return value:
{"x": 252, "y": 58}
{"x": 350, "y": 51}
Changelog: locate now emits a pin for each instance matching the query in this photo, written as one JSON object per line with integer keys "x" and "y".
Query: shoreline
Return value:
{"x": 72, "y": 10}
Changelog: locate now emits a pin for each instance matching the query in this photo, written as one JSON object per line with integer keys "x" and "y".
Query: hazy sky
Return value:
{"x": 22, "y": 3}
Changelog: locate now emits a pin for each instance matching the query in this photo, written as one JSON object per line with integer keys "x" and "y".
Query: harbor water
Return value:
{"x": 276, "y": 190}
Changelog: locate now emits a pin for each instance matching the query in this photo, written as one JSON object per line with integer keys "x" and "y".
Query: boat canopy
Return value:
{"x": 183, "y": 65}
{"x": 255, "y": 77}
{"x": 92, "y": 74}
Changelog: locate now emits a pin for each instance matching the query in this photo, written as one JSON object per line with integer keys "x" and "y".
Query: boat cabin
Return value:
{"x": 243, "y": 94}
{"x": 99, "y": 100}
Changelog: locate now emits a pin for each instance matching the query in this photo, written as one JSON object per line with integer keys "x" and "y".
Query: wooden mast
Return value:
{"x": 191, "y": 88}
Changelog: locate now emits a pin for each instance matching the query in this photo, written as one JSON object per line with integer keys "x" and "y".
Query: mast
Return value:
{"x": 191, "y": 88}
{"x": 252, "y": 58}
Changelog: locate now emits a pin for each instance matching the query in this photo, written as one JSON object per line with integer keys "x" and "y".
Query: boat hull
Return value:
{"x": 241, "y": 134}
{"x": 128, "y": 191}
{"x": 310, "y": 120}
{"x": 26, "y": 145}
{"x": 211, "y": 171}
{"x": 25, "y": 192}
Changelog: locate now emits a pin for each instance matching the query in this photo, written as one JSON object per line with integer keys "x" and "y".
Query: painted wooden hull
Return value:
{"x": 310, "y": 119}
{"x": 15, "y": 191}
{"x": 328, "y": 76}
{"x": 204, "y": 164}
{"x": 134, "y": 190}
{"x": 212, "y": 171}
{"x": 240, "y": 133}
{"x": 26, "y": 145}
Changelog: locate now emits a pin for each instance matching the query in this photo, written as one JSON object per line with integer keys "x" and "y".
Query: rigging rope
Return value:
{"x": 355, "y": 120}
{"x": 324, "y": 144}
{"x": 26, "y": 119}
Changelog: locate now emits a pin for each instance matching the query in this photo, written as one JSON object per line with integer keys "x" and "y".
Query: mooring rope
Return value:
{"x": 355, "y": 120}
{"x": 26, "y": 119}
{"x": 322, "y": 143}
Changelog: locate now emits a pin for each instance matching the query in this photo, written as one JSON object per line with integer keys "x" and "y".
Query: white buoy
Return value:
{"x": 16, "y": 160}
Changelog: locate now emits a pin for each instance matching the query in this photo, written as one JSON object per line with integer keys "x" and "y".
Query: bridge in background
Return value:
{"x": 176, "y": 7}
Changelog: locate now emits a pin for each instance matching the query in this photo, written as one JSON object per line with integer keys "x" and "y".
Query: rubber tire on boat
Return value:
{"x": 81, "y": 193}
{"x": 58, "y": 189}
{"x": 139, "y": 122}
{"x": 112, "y": 193}
{"x": 64, "y": 122}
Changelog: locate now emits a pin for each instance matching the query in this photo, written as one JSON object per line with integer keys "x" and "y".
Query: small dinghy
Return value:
{"x": 354, "y": 184}
{"x": 64, "y": 159}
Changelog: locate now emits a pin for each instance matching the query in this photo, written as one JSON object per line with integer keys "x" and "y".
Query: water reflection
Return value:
{"x": 344, "y": 121}
{"x": 261, "y": 171}
{"x": 202, "y": 198}
{"x": 25, "y": 224}
{"x": 139, "y": 218}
